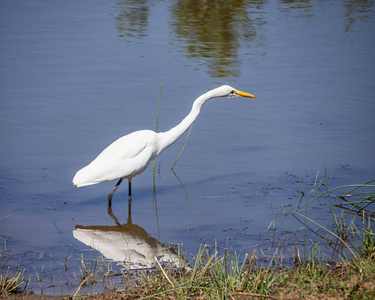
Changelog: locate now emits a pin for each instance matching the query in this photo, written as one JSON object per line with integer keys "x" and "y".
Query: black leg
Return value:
{"x": 130, "y": 210}
{"x": 113, "y": 191}
{"x": 130, "y": 203}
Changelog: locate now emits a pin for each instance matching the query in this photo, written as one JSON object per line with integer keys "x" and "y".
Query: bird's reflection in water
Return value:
{"x": 128, "y": 244}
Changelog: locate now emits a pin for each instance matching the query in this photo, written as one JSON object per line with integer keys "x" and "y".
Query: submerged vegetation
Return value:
{"x": 230, "y": 275}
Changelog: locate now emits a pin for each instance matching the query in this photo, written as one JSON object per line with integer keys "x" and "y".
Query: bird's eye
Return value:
{"x": 232, "y": 93}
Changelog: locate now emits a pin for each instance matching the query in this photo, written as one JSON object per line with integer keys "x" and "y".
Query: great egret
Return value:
{"x": 130, "y": 155}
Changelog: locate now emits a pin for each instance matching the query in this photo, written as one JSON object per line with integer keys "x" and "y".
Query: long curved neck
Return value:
{"x": 169, "y": 137}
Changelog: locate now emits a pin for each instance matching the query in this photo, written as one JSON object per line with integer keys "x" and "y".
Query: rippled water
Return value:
{"x": 76, "y": 76}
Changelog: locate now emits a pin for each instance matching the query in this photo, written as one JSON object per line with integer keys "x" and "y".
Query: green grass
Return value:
{"x": 229, "y": 275}
{"x": 346, "y": 216}
{"x": 11, "y": 283}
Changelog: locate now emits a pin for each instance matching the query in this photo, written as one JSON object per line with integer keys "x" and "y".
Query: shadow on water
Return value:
{"x": 127, "y": 244}
{"x": 210, "y": 32}
{"x": 213, "y": 32}
{"x": 132, "y": 18}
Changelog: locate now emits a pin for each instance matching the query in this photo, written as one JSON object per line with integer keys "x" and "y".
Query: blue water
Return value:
{"x": 76, "y": 76}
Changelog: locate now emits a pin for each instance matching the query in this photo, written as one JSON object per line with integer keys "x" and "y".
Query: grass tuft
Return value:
{"x": 11, "y": 283}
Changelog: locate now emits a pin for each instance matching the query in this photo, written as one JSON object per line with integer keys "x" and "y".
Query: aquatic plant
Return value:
{"x": 11, "y": 283}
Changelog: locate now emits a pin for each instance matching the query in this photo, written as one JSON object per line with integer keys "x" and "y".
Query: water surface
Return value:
{"x": 75, "y": 77}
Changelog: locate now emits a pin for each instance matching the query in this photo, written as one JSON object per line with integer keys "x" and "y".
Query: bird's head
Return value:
{"x": 229, "y": 92}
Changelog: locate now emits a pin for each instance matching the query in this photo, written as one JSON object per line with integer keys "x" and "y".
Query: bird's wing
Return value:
{"x": 127, "y": 147}
{"x": 126, "y": 157}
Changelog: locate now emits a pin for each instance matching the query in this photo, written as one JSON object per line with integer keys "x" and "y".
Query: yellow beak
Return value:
{"x": 242, "y": 94}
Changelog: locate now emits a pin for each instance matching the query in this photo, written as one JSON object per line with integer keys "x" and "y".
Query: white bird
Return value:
{"x": 130, "y": 155}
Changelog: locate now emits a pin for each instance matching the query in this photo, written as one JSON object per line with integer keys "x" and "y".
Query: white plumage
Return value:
{"x": 124, "y": 158}
{"x": 130, "y": 155}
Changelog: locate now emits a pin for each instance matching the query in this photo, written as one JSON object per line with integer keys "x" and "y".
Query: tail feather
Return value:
{"x": 85, "y": 177}
{"x": 96, "y": 172}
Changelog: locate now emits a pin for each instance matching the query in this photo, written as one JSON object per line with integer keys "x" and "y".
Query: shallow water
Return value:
{"x": 75, "y": 77}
